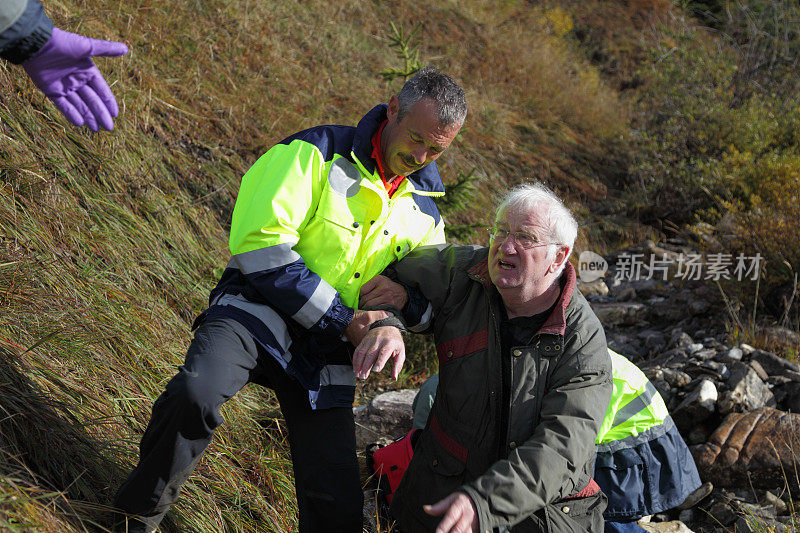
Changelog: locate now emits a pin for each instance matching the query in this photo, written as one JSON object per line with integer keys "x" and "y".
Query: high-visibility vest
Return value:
{"x": 635, "y": 407}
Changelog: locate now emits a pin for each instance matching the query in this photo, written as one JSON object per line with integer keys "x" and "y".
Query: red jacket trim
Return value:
{"x": 453, "y": 349}
{"x": 447, "y": 442}
{"x": 590, "y": 489}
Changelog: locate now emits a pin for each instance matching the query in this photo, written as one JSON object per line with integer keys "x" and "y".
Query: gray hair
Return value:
{"x": 429, "y": 82}
{"x": 562, "y": 228}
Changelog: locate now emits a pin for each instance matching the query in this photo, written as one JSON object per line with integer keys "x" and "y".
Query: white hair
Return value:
{"x": 562, "y": 228}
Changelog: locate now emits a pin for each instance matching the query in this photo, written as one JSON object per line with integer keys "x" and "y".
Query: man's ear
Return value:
{"x": 561, "y": 256}
{"x": 394, "y": 109}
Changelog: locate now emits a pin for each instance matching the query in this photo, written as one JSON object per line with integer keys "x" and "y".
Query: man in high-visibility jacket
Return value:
{"x": 319, "y": 214}
{"x": 643, "y": 465}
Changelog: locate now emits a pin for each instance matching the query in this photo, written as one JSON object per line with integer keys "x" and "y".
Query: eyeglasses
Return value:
{"x": 525, "y": 240}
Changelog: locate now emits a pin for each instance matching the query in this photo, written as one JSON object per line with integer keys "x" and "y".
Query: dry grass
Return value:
{"x": 109, "y": 243}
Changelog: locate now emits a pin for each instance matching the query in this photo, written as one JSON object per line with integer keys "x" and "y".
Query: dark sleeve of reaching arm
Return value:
{"x": 24, "y": 29}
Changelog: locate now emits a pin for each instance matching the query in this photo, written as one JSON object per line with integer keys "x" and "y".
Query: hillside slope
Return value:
{"x": 109, "y": 243}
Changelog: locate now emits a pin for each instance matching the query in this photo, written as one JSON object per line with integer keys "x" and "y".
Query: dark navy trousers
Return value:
{"x": 223, "y": 358}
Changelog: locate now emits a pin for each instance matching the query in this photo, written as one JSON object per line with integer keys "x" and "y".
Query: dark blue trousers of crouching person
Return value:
{"x": 222, "y": 359}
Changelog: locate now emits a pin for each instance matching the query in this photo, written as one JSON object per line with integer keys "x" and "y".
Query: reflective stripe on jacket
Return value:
{"x": 643, "y": 465}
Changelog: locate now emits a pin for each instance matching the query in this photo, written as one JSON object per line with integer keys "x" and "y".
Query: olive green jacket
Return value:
{"x": 536, "y": 473}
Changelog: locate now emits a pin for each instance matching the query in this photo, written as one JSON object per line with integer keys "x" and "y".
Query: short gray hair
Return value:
{"x": 562, "y": 228}
{"x": 429, "y": 82}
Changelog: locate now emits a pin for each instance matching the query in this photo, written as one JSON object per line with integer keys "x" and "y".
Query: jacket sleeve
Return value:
{"x": 547, "y": 467}
{"x": 277, "y": 198}
{"x": 24, "y": 29}
{"x": 418, "y": 312}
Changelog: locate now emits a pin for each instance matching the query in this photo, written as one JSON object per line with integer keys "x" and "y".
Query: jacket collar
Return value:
{"x": 425, "y": 179}
{"x": 556, "y": 323}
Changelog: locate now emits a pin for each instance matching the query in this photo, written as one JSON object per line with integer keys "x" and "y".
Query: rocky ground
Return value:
{"x": 734, "y": 405}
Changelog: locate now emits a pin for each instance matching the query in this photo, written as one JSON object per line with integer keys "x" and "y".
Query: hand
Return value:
{"x": 377, "y": 347}
{"x": 380, "y": 290}
{"x": 360, "y": 323}
{"x": 64, "y": 72}
{"x": 460, "y": 514}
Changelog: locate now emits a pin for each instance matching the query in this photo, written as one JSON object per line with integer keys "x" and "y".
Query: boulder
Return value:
{"x": 761, "y": 448}
{"x": 387, "y": 415}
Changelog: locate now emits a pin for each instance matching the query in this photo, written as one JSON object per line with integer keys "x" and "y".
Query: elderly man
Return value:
{"x": 319, "y": 214}
{"x": 525, "y": 378}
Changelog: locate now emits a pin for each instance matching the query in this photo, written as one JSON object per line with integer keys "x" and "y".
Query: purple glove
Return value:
{"x": 64, "y": 72}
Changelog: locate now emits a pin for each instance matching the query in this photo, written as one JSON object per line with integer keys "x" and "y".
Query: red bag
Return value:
{"x": 391, "y": 461}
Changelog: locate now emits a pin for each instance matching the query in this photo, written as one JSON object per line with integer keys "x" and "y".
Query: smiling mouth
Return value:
{"x": 505, "y": 266}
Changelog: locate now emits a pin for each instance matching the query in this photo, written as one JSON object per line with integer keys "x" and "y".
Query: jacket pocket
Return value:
{"x": 576, "y": 515}
{"x": 622, "y": 476}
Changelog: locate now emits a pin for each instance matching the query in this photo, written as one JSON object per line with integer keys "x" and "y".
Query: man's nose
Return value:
{"x": 508, "y": 245}
{"x": 420, "y": 155}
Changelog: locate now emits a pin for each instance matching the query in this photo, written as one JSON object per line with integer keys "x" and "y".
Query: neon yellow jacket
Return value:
{"x": 312, "y": 223}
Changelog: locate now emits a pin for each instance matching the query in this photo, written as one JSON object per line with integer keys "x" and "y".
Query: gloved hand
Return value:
{"x": 64, "y": 72}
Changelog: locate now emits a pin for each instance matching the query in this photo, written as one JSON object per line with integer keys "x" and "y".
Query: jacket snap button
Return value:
{"x": 386, "y": 232}
{"x": 398, "y": 248}
{"x": 565, "y": 509}
{"x": 547, "y": 348}
{"x": 517, "y": 353}
{"x": 435, "y": 462}
{"x": 357, "y": 275}
{"x": 450, "y": 354}
{"x": 355, "y": 224}
{"x": 512, "y": 445}
{"x": 557, "y": 347}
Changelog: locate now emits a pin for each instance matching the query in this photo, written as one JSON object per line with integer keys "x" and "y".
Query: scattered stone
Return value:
{"x": 778, "y": 504}
{"x": 755, "y": 365}
{"x": 735, "y": 354}
{"x": 616, "y": 314}
{"x": 698, "y": 495}
{"x": 775, "y": 365}
{"x": 679, "y": 339}
{"x": 747, "y": 391}
{"x": 746, "y": 348}
{"x": 697, "y": 406}
{"x": 593, "y": 288}
{"x": 751, "y": 524}
{"x": 694, "y": 347}
{"x": 675, "y": 526}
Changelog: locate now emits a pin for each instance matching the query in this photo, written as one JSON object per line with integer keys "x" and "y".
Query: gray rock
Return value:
{"x": 654, "y": 341}
{"x": 705, "y": 354}
{"x": 778, "y": 504}
{"x": 675, "y": 526}
{"x": 723, "y": 512}
{"x": 775, "y": 364}
{"x": 735, "y": 354}
{"x": 747, "y": 391}
{"x": 752, "y": 524}
{"x": 755, "y": 365}
{"x": 387, "y": 415}
{"x": 746, "y": 348}
{"x": 676, "y": 378}
{"x": 694, "y": 347}
{"x": 616, "y": 314}
{"x": 593, "y": 288}
{"x": 697, "y": 406}
{"x": 680, "y": 339}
